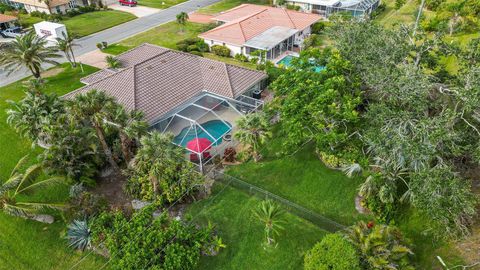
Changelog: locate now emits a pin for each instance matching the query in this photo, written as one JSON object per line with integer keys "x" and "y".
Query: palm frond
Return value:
{"x": 44, "y": 183}
{"x": 19, "y": 165}
{"x": 29, "y": 176}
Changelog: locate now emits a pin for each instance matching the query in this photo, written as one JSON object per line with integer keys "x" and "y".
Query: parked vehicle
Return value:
{"x": 12, "y": 32}
{"x": 130, "y": 3}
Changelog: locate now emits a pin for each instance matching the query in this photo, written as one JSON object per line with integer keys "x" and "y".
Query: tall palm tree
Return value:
{"x": 182, "y": 18}
{"x": 94, "y": 106}
{"x": 28, "y": 51}
{"x": 130, "y": 125}
{"x": 271, "y": 215}
{"x": 381, "y": 246}
{"x": 23, "y": 183}
{"x": 66, "y": 44}
{"x": 253, "y": 131}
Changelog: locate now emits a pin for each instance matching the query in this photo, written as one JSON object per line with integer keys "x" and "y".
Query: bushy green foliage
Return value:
{"x": 221, "y": 50}
{"x": 333, "y": 252}
{"x": 192, "y": 45}
{"x": 240, "y": 57}
{"x": 380, "y": 246}
{"x": 160, "y": 171}
{"x": 148, "y": 242}
{"x": 252, "y": 131}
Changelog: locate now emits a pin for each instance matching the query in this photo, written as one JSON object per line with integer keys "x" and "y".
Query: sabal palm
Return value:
{"x": 23, "y": 183}
{"x": 381, "y": 246}
{"x": 253, "y": 131}
{"x": 94, "y": 107}
{"x": 28, "y": 51}
{"x": 66, "y": 44}
{"x": 271, "y": 215}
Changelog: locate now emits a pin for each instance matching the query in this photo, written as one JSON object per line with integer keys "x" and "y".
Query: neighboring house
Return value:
{"x": 181, "y": 93}
{"x": 326, "y": 8}
{"x": 7, "y": 21}
{"x": 248, "y": 28}
{"x": 56, "y": 6}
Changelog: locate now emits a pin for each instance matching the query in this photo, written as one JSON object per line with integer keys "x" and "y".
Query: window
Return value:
{"x": 72, "y": 4}
{"x": 211, "y": 42}
{"x": 59, "y": 11}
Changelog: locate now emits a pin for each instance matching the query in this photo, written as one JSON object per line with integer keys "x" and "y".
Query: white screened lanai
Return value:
{"x": 204, "y": 126}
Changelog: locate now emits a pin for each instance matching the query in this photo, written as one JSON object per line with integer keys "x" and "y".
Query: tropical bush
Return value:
{"x": 333, "y": 252}
{"x": 85, "y": 205}
{"x": 221, "y": 50}
{"x": 271, "y": 216}
{"x": 147, "y": 242}
{"x": 192, "y": 44}
{"x": 229, "y": 154}
{"x": 160, "y": 171}
{"x": 240, "y": 57}
{"x": 380, "y": 246}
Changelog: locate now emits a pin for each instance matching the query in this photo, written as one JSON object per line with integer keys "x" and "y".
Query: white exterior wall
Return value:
{"x": 303, "y": 6}
{"x": 234, "y": 49}
{"x": 62, "y": 8}
{"x": 300, "y": 36}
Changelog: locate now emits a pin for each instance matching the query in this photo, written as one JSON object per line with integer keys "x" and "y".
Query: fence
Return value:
{"x": 317, "y": 219}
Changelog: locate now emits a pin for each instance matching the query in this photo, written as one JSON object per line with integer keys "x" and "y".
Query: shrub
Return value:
{"x": 399, "y": 3}
{"x": 87, "y": 9}
{"x": 318, "y": 27}
{"x": 100, "y": 46}
{"x": 182, "y": 46}
{"x": 221, "y": 50}
{"x": 73, "y": 12}
{"x": 229, "y": 154}
{"x": 202, "y": 46}
{"x": 293, "y": 7}
{"x": 148, "y": 242}
{"x": 192, "y": 48}
{"x": 85, "y": 204}
{"x": 79, "y": 235}
{"x": 192, "y": 40}
{"x": 240, "y": 57}
{"x": 434, "y": 4}
{"x": 197, "y": 53}
{"x": 333, "y": 252}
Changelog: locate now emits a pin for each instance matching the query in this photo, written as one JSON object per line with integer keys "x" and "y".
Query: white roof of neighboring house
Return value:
{"x": 271, "y": 37}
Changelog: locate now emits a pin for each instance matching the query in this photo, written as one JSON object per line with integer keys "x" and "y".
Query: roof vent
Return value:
{"x": 163, "y": 61}
{"x": 149, "y": 67}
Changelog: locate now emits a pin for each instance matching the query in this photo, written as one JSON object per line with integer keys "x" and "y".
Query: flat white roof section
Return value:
{"x": 270, "y": 38}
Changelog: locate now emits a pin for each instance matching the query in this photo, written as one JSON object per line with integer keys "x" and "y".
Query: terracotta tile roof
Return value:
{"x": 37, "y": 3}
{"x": 97, "y": 76}
{"x": 7, "y": 18}
{"x": 166, "y": 79}
{"x": 247, "y": 21}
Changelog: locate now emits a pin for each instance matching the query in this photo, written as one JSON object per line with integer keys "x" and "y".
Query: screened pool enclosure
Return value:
{"x": 204, "y": 126}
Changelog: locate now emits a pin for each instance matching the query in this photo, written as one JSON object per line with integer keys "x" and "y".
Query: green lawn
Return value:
{"x": 28, "y": 244}
{"x": 303, "y": 179}
{"x": 228, "y": 4}
{"x": 92, "y": 22}
{"x": 160, "y": 3}
{"x": 231, "y": 213}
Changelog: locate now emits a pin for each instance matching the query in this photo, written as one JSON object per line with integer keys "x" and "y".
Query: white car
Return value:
{"x": 12, "y": 32}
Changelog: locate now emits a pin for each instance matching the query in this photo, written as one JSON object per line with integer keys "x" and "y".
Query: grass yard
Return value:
{"x": 303, "y": 179}
{"x": 228, "y": 4}
{"x": 162, "y": 4}
{"x": 28, "y": 244}
{"x": 92, "y": 22}
{"x": 231, "y": 212}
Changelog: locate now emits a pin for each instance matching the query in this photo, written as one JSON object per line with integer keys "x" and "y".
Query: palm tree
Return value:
{"x": 23, "y": 183}
{"x": 93, "y": 107}
{"x": 130, "y": 125}
{"x": 48, "y": 3}
{"x": 112, "y": 62}
{"x": 380, "y": 246}
{"x": 253, "y": 131}
{"x": 270, "y": 214}
{"x": 66, "y": 44}
{"x": 182, "y": 18}
{"x": 28, "y": 51}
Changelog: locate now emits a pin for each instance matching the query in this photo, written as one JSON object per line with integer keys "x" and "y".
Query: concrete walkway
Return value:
{"x": 139, "y": 11}
{"x": 94, "y": 58}
{"x": 120, "y": 32}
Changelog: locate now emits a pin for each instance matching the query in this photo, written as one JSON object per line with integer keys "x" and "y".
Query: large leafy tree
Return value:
{"x": 20, "y": 183}
{"x": 322, "y": 105}
{"x": 160, "y": 171}
{"x": 252, "y": 131}
{"x": 28, "y": 51}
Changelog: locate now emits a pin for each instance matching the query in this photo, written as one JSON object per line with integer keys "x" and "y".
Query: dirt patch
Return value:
{"x": 469, "y": 248}
{"x": 111, "y": 188}
{"x": 200, "y": 18}
{"x": 52, "y": 72}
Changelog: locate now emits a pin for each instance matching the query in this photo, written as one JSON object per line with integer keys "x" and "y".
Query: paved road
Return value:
{"x": 120, "y": 32}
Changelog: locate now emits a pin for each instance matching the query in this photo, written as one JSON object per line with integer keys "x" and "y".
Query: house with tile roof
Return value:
{"x": 192, "y": 97}
{"x": 356, "y": 8}
{"x": 7, "y": 21}
{"x": 248, "y": 28}
{"x": 53, "y": 7}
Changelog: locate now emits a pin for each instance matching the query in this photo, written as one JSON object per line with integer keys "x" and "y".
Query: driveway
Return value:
{"x": 139, "y": 11}
{"x": 120, "y": 32}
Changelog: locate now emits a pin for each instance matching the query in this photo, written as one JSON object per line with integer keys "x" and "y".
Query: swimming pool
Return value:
{"x": 286, "y": 62}
{"x": 216, "y": 128}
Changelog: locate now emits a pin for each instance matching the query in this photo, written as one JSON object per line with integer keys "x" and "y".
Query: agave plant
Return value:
{"x": 24, "y": 183}
{"x": 79, "y": 235}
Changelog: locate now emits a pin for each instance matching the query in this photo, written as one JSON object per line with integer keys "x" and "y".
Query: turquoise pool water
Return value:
{"x": 216, "y": 128}
{"x": 286, "y": 61}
